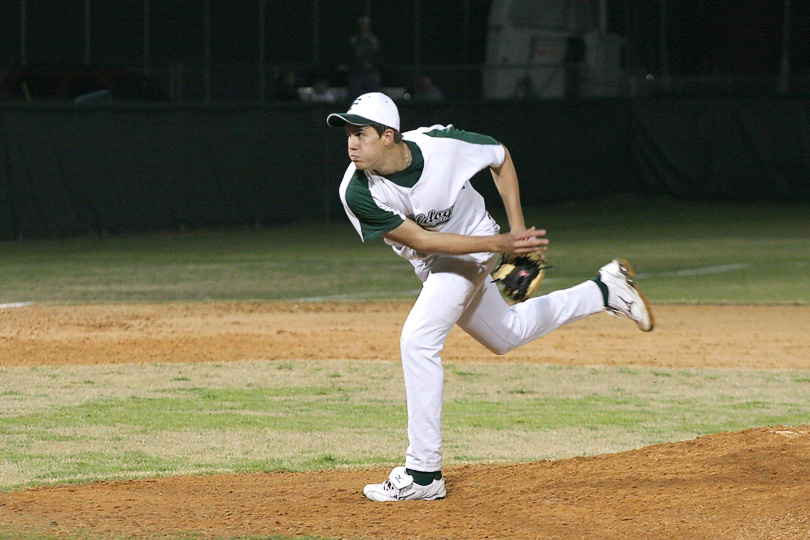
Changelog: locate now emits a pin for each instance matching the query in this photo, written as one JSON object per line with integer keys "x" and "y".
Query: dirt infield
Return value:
{"x": 749, "y": 485}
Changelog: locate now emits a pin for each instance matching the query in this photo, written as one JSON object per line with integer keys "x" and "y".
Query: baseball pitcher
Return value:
{"x": 413, "y": 189}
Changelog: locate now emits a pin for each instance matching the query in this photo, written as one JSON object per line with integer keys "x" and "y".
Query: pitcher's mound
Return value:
{"x": 753, "y": 484}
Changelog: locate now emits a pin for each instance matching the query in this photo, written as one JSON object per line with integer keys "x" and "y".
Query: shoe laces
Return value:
{"x": 388, "y": 486}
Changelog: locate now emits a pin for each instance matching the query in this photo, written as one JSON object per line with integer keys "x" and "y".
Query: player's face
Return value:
{"x": 366, "y": 147}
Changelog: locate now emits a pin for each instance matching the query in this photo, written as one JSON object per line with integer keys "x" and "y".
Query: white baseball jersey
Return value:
{"x": 434, "y": 190}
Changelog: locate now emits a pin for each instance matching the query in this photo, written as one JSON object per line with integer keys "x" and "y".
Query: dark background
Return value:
{"x": 701, "y": 37}
{"x": 225, "y": 158}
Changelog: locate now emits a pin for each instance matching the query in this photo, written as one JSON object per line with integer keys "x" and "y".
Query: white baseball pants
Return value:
{"x": 463, "y": 293}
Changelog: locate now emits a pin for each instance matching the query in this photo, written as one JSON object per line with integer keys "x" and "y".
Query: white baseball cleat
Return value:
{"x": 401, "y": 487}
{"x": 624, "y": 298}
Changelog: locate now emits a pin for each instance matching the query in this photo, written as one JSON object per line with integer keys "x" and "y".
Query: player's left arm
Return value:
{"x": 506, "y": 180}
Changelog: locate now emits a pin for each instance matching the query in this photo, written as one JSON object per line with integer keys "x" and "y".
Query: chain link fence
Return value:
{"x": 218, "y": 51}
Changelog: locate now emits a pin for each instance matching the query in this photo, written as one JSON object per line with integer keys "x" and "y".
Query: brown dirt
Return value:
{"x": 749, "y": 485}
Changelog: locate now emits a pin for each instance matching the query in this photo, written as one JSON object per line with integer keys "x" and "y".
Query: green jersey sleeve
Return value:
{"x": 374, "y": 220}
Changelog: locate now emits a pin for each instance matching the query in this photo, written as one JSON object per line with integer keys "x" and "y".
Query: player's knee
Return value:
{"x": 414, "y": 344}
{"x": 408, "y": 343}
{"x": 499, "y": 348}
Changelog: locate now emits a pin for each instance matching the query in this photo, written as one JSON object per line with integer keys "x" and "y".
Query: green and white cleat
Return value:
{"x": 401, "y": 487}
{"x": 624, "y": 297}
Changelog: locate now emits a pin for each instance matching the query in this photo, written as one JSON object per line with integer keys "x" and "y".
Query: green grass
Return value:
{"x": 74, "y": 424}
{"x": 86, "y": 423}
{"x": 684, "y": 252}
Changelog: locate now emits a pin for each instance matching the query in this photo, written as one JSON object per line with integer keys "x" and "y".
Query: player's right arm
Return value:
{"x": 506, "y": 181}
{"x": 421, "y": 240}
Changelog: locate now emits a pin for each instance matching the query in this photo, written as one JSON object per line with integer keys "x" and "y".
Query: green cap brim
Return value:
{"x": 339, "y": 120}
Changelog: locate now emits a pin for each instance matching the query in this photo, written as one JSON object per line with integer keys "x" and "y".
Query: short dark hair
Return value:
{"x": 380, "y": 129}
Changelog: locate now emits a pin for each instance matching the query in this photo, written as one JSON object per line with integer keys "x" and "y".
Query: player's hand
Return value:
{"x": 528, "y": 241}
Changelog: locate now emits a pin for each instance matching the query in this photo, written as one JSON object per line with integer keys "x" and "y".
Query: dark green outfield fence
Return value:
{"x": 71, "y": 170}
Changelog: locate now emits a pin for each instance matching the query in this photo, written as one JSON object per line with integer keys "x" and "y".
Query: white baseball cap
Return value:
{"x": 371, "y": 108}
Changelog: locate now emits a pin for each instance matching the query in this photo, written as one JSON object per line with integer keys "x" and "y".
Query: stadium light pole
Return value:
{"x": 784, "y": 64}
{"x": 417, "y": 39}
{"x": 23, "y": 24}
{"x": 86, "y": 32}
{"x": 316, "y": 33}
{"x": 465, "y": 44}
{"x": 664, "y": 45}
{"x": 262, "y": 52}
{"x": 146, "y": 37}
{"x": 207, "y": 50}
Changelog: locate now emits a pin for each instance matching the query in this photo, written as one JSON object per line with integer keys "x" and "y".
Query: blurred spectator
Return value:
{"x": 524, "y": 87}
{"x": 426, "y": 91}
{"x": 322, "y": 92}
{"x": 364, "y": 75}
{"x": 573, "y": 61}
{"x": 286, "y": 87}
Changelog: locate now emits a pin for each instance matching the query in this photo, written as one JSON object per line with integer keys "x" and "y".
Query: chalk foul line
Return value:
{"x": 15, "y": 305}
{"x": 698, "y": 271}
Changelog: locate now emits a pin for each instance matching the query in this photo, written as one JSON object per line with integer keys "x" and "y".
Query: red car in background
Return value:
{"x": 61, "y": 82}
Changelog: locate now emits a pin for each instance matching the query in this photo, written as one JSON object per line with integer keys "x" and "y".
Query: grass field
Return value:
{"x": 684, "y": 252}
{"x": 76, "y": 424}
{"x": 72, "y": 424}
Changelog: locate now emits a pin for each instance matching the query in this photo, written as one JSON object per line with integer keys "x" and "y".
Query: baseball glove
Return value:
{"x": 520, "y": 275}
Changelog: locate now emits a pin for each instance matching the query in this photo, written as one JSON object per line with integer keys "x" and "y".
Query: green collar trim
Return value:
{"x": 409, "y": 176}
